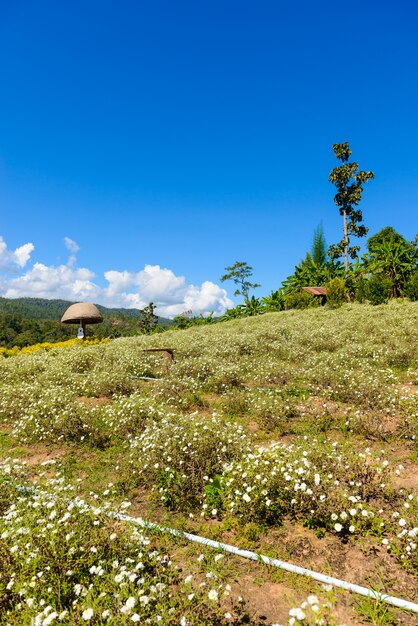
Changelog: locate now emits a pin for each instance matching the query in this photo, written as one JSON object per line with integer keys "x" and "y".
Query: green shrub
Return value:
{"x": 411, "y": 287}
{"x": 361, "y": 290}
{"x": 378, "y": 289}
{"x": 301, "y": 300}
{"x": 337, "y": 293}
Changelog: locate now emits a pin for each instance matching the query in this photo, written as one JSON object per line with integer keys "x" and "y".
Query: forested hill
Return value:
{"x": 43, "y": 309}
{"x": 26, "y": 321}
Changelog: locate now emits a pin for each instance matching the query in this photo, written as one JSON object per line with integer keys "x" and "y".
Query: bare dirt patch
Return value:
{"x": 94, "y": 401}
{"x": 37, "y": 454}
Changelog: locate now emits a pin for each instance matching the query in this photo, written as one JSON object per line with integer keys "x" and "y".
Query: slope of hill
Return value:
{"x": 292, "y": 434}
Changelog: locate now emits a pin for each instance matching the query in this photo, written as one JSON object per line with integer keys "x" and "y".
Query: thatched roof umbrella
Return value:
{"x": 82, "y": 313}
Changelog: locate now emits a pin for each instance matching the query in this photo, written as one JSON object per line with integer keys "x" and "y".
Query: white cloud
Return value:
{"x": 61, "y": 281}
{"x": 11, "y": 261}
{"x": 170, "y": 293}
{"x": 71, "y": 245}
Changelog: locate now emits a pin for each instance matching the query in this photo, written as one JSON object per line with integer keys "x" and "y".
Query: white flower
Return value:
{"x": 298, "y": 613}
{"x": 402, "y": 522}
{"x": 213, "y": 594}
{"x": 313, "y": 600}
{"x": 246, "y": 497}
{"x": 87, "y": 614}
{"x": 135, "y": 617}
{"x": 338, "y": 527}
{"x": 130, "y": 602}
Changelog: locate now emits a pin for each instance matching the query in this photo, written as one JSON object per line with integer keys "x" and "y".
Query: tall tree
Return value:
{"x": 148, "y": 321}
{"x": 349, "y": 181}
{"x": 239, "y": 273}
{"x": 386, "y": 235}
{"x": 392, "y": 256}
{"x": 319, "y": 248}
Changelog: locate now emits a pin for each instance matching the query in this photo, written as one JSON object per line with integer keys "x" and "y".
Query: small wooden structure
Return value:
{"x": 316, "y": 291}
{"x": 82, "y": 313}
{"x": 168, "y": 354}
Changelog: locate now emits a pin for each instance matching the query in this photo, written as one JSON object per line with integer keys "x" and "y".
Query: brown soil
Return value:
{"x": 39, "y": 453}
{"x": 94, "y": 401}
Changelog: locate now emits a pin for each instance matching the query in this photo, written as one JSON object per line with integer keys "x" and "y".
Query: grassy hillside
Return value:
{"x": 293, "y": 434}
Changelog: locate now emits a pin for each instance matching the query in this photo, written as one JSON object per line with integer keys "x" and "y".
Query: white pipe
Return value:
{"x": 248, "y": 554}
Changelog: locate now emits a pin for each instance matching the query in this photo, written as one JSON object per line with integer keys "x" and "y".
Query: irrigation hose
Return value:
{"x": 248, "y": 554}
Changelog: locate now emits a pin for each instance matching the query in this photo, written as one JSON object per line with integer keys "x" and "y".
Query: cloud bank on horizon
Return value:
{"x": 170, "y": 293}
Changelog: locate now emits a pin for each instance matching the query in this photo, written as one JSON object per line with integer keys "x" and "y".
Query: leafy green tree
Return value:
{"x": 239, "y": 273}
{"x": 411, "y": 286}
{"x": 232, "y": 314}
{"x": 310, "y": 274}
{"x": 393, "y": 257}
{"x": 319, "y": 248}
{"x": 274, "y": 301}
{"x": 252, "y": 307}
{"x": 386, "y": 235}
{"x": 349, "y": 181}
{"x": 315, "y": 270}
{"x": 148, "y": 321}
{"x": 378, "y": 289}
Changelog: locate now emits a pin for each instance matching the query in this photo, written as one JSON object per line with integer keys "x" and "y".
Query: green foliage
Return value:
{"x": 390, "y": 255}
{"x": 319, "y": 248}
{"x": 28, "y": 321}
{"x": 239, "y": 273}
{"x": 65, "y": 561}
{"x": 349, "y": 181}
{"x": 386, "y": 235}
{"x": 148, "y": 321}
{"x": 378, "y": 289}
{"x": 185, "y": 321}
{"x": 252, "y": 306}
{"x": 232, "y": 314}
{"x": 337, "y": 293}
{"x": 274, "y": 301}
{"x": 309, "y": 274}
{"x": 360, "y": 292}
{"x": 411, "y": 286}
{"x": 301, "y": 300}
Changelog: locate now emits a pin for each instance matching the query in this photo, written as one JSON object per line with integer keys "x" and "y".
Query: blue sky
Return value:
{"x": 167, "y": 139}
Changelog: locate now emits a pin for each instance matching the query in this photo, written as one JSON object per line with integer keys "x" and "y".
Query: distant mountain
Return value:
{"x": 43, "y": 309}
{"x": 25, "y": 321}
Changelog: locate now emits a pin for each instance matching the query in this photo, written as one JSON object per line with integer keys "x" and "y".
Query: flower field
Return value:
{"x": 293, "y": 434}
